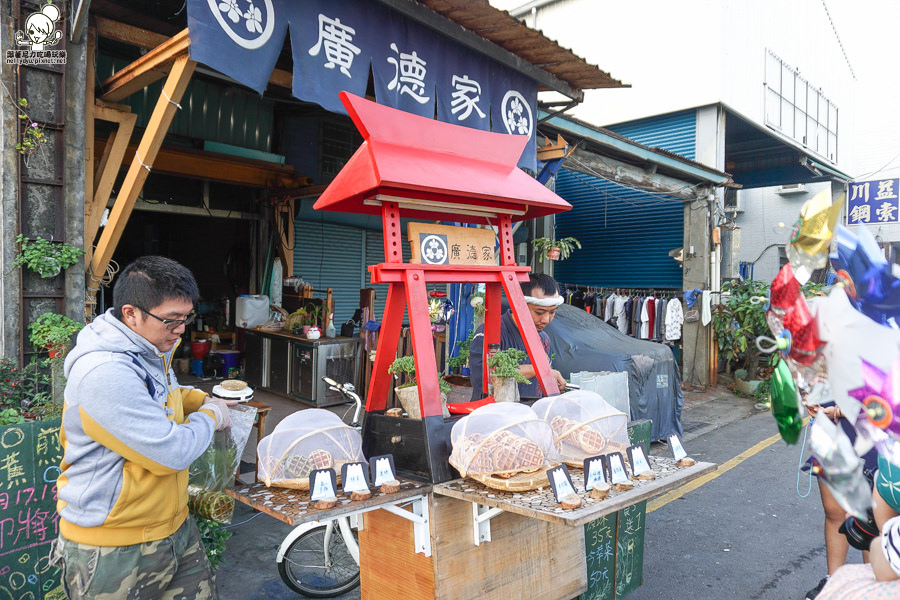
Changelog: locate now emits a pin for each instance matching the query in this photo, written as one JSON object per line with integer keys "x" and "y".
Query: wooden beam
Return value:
{"x": 143, "y": 38}
{"x": 107, "y": 169}
{"x": 151, "y": 67}
{"x": 630, "y": 175}
{"x": 223, "y": 168}
{"x": 172, "y": 92}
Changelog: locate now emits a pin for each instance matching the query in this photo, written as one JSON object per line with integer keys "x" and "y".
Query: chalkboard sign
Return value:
{"x": 614, "y": 544}
{"x": 29, "y": 465}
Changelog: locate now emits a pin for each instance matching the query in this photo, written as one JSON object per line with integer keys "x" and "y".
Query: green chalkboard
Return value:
{"x": 30, "y": 455}
{"x": 614, "y": 544}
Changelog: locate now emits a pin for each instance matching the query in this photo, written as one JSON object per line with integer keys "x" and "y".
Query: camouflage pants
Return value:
{"x": 174, "y": 568}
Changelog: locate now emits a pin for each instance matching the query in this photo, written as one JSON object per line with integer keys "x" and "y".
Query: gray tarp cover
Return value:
{"x": 583, "y": 342}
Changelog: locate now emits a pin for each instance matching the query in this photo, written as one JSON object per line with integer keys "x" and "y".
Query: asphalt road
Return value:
{"x": 744, "y": 533}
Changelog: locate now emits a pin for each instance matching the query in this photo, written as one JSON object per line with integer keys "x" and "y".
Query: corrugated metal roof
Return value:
{"x": 504, "y": 30}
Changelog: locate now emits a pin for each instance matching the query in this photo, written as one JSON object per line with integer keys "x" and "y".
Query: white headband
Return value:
{"x": 551, "y": 301}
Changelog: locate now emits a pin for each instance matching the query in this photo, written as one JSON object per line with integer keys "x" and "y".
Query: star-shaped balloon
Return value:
{"x": 879, "y": 396}
{"x": 873, "y": 288}
{"x": 788, "y": 308}
{"x": 808, "y": 248}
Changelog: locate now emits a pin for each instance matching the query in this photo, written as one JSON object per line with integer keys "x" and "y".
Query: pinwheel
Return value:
{"x": 808, "y": 248}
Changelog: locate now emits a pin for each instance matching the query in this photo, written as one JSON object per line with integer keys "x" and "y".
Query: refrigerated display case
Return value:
{"x": 311, "y": 360}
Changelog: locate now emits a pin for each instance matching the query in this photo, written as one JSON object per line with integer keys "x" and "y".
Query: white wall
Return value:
{"x": 690, "y": 53}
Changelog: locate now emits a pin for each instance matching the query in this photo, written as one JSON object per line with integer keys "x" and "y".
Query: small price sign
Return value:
{"x": 382, "y": 469}
{"x": 638, "y": 459}
{"x": 560, "y": 482}
{"x": 355, "y": 477}
{"x": 678, "y": 451}
{"x": 617, "y": 473}
{"x": 324, "y": 484}
{"x": 594, "y": 472}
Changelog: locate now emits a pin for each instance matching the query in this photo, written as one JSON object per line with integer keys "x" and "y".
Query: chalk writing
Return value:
{"x": 28, "y": 519}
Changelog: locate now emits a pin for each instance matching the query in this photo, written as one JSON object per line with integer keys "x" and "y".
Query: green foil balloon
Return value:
{"x": 785, "y": 403}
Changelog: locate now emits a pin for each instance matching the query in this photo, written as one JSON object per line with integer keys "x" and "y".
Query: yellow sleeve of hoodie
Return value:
{"x": 192, "y": 399}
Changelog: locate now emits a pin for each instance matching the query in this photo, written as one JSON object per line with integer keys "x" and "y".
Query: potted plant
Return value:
{"x": 460, "y": 362}
{"x": 737, "y": 321}
{"x": 44, "y": 257}
{"x": 53, "y": 332}
{"x": 408, "y": 391}
{"x": 550, "y": 249}
{"x": 503, "y": 366}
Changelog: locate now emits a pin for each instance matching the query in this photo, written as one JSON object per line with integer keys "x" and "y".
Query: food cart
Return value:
{"x": 458, "y": 538}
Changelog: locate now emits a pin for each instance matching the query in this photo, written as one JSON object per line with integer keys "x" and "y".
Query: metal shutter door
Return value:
{"x": 331, "y": 256}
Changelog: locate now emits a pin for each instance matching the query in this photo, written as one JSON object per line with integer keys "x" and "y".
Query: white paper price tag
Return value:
{"x": 594, "y": 474}
{"x": 677, "y": 449}
{"x": 356, "y": 479}
{"x": 639, "y": 462}
{"x": 561, "y": 484}
{"x": 383, "y": 471}
{"x": 322, "y": 487}
{"x": 617, "y": 469}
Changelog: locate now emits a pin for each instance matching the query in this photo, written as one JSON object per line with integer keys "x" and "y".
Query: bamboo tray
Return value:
{"x": 520, "y": 482}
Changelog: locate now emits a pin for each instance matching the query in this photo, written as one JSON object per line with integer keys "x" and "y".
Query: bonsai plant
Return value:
{"x": 53, "y": 332}
{"x": 561, "y": 249}
{"x": 45, "y": 257}
{"x": 461, "y": 360}
{"x": 408, "y": 391}
{"x": 505, "y": 376}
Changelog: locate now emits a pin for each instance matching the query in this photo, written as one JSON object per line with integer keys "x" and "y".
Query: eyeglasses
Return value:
{"x": 172, "y": 324}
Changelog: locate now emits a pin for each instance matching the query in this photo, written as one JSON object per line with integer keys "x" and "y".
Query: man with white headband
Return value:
{"x": 542, "y": 297}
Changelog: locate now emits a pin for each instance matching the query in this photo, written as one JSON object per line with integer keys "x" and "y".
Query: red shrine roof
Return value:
{"x": 434, "y": 169}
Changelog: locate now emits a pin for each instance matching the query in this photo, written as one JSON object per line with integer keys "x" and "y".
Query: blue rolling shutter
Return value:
{"x": 626, "y": 234}
{"x": 331, "y": 256}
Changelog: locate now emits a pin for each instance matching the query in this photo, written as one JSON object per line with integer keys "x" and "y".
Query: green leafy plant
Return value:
{"x": 463, "y": 349}
{"x": 52, "y": 331}
{"x": 28, "y": 390}
{"x": 33, "y": 134}
{"x": 213, "y": 535}
{"x": 406, "y": 365}
{"x": 10, "y": 416}
{"x": 505, "y": 363}
{"x": 545, "y": 247}
{"x": 738, "y": 321}
{"x": 44, "y": 257}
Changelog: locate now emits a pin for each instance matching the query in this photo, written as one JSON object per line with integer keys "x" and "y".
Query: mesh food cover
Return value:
{"x": 501, "y": 439}
{"x": 583, "y": 424}
{"x": 303, "y": 442}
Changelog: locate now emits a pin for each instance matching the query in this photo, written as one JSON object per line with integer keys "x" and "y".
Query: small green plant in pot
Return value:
{"x": 408, "y": 391}
{"x": 53, "y": 332}
{"x": 45, "y": 257}
{"x": 551, "y": 249}
{"x": 462, "y": 356}
{"x": 505, "y": 376}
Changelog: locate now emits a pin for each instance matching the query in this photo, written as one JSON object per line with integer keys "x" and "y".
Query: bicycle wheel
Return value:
{"x": 304, "y": 570}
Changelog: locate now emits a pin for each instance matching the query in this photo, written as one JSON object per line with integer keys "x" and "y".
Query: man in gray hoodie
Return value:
{"x": 129, "y": 434}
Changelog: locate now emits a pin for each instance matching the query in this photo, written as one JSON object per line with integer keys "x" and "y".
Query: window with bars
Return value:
{"x": 798, "y": 109}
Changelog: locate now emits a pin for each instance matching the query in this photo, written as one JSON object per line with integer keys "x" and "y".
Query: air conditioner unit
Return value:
{"x": 790, "y": 188}
{"x": 734, "y": 203}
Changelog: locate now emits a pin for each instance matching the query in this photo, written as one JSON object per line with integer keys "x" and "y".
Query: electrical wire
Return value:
{"x": 800, "y": 463}
{"x": 242, "y": 522}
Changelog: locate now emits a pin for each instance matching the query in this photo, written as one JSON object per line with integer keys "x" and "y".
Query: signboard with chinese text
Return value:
{"x": 29, "y": 466}
{"x": 431, "y": 244}
{"x": 873, "y": 202}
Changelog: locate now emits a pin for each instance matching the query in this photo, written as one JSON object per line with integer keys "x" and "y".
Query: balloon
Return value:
{"x": 838, "y": 466}
{"x": 880, "y": 396}
{"x": 808, "y": 248}
{"x": 785, "y": 403}
{"x": 874, "y": 290}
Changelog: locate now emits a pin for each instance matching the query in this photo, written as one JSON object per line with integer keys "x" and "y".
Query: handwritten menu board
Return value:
{"x": 614, "y": 544}
{"x": 29, "y": 465}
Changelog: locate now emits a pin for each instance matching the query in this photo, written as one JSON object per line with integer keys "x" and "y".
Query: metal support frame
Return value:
{"x": 419, "y": 518}
{"x": 481, "y": 521}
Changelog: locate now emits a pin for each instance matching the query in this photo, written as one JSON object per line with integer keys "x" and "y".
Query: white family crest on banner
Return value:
{"x": 253, "y": 21}
{"x": 517, "y": 115}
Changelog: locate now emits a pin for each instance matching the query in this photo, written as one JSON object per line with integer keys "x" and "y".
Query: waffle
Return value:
{"x": 321, "y": 459}
{"x": 582, "y": 436}
{"x": 295, "y": 466}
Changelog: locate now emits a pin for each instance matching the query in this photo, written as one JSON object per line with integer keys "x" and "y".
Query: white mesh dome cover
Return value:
{"x": 583, "y": 424}
{"x": 304, "y": 441}
{"x": 501, "y": 439}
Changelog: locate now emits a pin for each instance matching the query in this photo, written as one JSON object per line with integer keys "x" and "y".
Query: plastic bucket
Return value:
{"x": 200, "y": 349}
{"x": 251, "y": 311}
{"x": 231, "y": 359}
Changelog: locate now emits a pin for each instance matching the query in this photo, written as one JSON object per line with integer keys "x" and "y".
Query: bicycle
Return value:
{"x": 320, "y": 559}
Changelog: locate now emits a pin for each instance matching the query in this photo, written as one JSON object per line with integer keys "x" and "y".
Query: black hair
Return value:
{"x": 541, "y": 281}
{"x": 151, "y": 280}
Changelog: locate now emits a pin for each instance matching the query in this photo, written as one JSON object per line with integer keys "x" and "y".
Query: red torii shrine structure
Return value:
{"x": 420, "y": 168}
